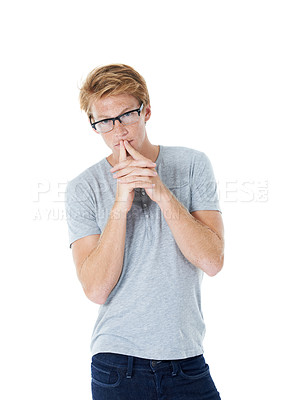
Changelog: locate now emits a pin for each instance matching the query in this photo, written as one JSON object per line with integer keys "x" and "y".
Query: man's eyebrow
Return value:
{"x": 122, "y": 112}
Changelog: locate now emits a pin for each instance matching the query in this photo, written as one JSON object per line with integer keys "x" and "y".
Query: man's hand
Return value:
{"x": 137, "y": 172}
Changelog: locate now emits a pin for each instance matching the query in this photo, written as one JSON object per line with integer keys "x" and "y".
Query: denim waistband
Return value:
{"x": 138, "y": 363}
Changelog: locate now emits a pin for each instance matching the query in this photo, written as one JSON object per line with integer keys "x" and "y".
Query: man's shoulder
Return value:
{"x": 182, "y": 153}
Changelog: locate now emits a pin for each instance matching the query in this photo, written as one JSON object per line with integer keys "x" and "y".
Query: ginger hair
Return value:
{"x": 110, "y": 80}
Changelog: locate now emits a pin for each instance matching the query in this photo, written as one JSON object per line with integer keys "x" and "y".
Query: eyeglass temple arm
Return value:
{"x": 91, "y": 123}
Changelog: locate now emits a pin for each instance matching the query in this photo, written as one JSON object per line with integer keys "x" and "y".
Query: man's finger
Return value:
{"x": 135, "y": 163}
{"x": 123, "y": 155}
{"x": 133, "y": 152}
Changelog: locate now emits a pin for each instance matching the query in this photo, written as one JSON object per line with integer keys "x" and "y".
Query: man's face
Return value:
{"x": 113, "y": 106}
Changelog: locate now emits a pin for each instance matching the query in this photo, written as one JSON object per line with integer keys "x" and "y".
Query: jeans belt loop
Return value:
{"x": 130, "y": 367}
{"x": 175, "y": 367}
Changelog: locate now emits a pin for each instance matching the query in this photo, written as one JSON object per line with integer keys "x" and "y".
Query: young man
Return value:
{"x": 144, "y": 226}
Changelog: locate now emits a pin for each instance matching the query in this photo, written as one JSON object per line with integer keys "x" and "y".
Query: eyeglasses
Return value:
{"x": 128, "y": 118}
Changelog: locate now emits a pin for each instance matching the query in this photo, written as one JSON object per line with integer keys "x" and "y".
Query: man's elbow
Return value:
{"x": 96, "y": 296}
{"x": 213, "y": 267}
{"x": 214, "y": 271}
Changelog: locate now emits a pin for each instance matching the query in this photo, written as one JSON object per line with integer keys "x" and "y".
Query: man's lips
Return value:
{"x": 129, "y": 141}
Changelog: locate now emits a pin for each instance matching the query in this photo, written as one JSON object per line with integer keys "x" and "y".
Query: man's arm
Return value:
{"x": 201, "y": 244}
{"x": 99, "y": 272}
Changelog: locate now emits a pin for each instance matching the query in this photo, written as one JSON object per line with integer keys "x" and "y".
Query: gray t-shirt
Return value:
{"x": 154, "y": 311}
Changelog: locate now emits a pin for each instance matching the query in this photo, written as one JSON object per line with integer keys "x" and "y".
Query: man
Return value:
{"x": 144, "y": 225}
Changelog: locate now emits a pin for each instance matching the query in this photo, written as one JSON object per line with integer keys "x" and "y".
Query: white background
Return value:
{"x": 224, "y": 78}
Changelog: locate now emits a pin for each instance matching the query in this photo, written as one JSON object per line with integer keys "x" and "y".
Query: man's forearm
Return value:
{"x": 197, "y": 242}
{"x": 101, "y": 270}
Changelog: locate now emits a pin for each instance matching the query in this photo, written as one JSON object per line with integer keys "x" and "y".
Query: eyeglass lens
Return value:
{"x": 126, "y": 119}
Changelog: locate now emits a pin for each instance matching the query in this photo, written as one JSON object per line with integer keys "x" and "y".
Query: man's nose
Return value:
{"x": 119, "y": 128}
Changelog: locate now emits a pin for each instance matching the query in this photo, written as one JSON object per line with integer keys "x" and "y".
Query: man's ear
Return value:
{"x": 148, "y": 112}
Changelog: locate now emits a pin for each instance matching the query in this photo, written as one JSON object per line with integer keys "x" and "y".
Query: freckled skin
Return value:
{"x": 113, "y": 106}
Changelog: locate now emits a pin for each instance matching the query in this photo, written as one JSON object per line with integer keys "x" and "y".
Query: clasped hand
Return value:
{"x": 137, "y": 171}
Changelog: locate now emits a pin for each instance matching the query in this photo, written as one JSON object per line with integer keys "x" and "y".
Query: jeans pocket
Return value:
{"x": 104, "y": 375}
{"x": 194, "y": 368}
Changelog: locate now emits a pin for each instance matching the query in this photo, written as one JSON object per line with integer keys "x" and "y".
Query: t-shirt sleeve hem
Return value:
{"x": 201, "y": 208}
{"x": 74, "y": 238}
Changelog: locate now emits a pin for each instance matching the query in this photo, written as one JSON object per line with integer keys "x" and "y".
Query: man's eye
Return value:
{"x": 128, "y": 114}
{"x": 104, "y": 122}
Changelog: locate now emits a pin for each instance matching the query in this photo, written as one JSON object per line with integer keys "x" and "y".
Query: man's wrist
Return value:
{"x": 165, "y": 196}
{"x": 118, "y": 210}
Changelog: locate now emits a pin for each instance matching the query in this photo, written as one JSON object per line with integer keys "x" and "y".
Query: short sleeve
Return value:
{"x": 80, "y": 211}
{"x": 204, "y": 192}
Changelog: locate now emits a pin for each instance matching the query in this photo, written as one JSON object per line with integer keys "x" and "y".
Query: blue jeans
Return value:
{"x": 121, "y": 377}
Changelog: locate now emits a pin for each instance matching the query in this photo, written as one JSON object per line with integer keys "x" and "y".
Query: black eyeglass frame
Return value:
{"x": 138, "y": 110}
